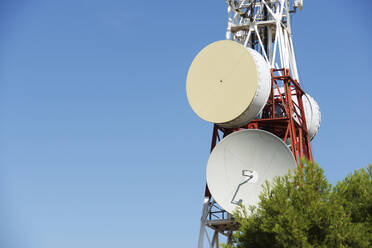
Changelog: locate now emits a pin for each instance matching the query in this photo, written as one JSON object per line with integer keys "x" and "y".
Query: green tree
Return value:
{"x": 302, "y": 209}
{"x": 355, "y": 195}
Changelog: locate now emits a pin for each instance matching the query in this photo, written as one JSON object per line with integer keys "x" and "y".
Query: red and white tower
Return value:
{"x": 251, "y": 81}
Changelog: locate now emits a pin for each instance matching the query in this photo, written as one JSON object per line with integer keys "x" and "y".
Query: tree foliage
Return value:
{"x": 302, "y": 209}
{"x": 355, "y": 195}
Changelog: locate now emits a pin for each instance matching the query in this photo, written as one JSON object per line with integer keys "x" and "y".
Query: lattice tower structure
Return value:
{"x": 263, "y": 25}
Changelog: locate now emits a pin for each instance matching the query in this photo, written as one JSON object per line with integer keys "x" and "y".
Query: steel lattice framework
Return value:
{"x": 263, "y": 25}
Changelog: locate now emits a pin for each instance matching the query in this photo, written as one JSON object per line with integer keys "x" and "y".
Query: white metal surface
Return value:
{"x": 242, "y": 162}
{"x": 203, "y": 221}
{"x": 313, "y": 115}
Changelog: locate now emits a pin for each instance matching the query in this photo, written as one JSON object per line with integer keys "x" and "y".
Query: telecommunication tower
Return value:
{"x": 248, "y": 86}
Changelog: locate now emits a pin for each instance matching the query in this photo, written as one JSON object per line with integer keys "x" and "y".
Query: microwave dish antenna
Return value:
{"x": 313, "y": 115}
{"x": 242, "y": 162}
{"x": 228, "y": 84}
{"x": 312, "y": 112}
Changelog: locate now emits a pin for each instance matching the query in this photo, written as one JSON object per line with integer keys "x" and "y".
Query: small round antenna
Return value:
{"x": 242, "y": 162}
{"x": 312, "y": 112}
{"x": 313, "y": 115}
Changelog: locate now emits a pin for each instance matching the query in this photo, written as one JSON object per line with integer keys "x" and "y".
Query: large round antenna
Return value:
{"x": 228, "y": 84}
{"x": 242, "y": 162}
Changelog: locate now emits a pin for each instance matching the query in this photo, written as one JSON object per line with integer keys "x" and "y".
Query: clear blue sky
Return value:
{"x": 98, "y": 146}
